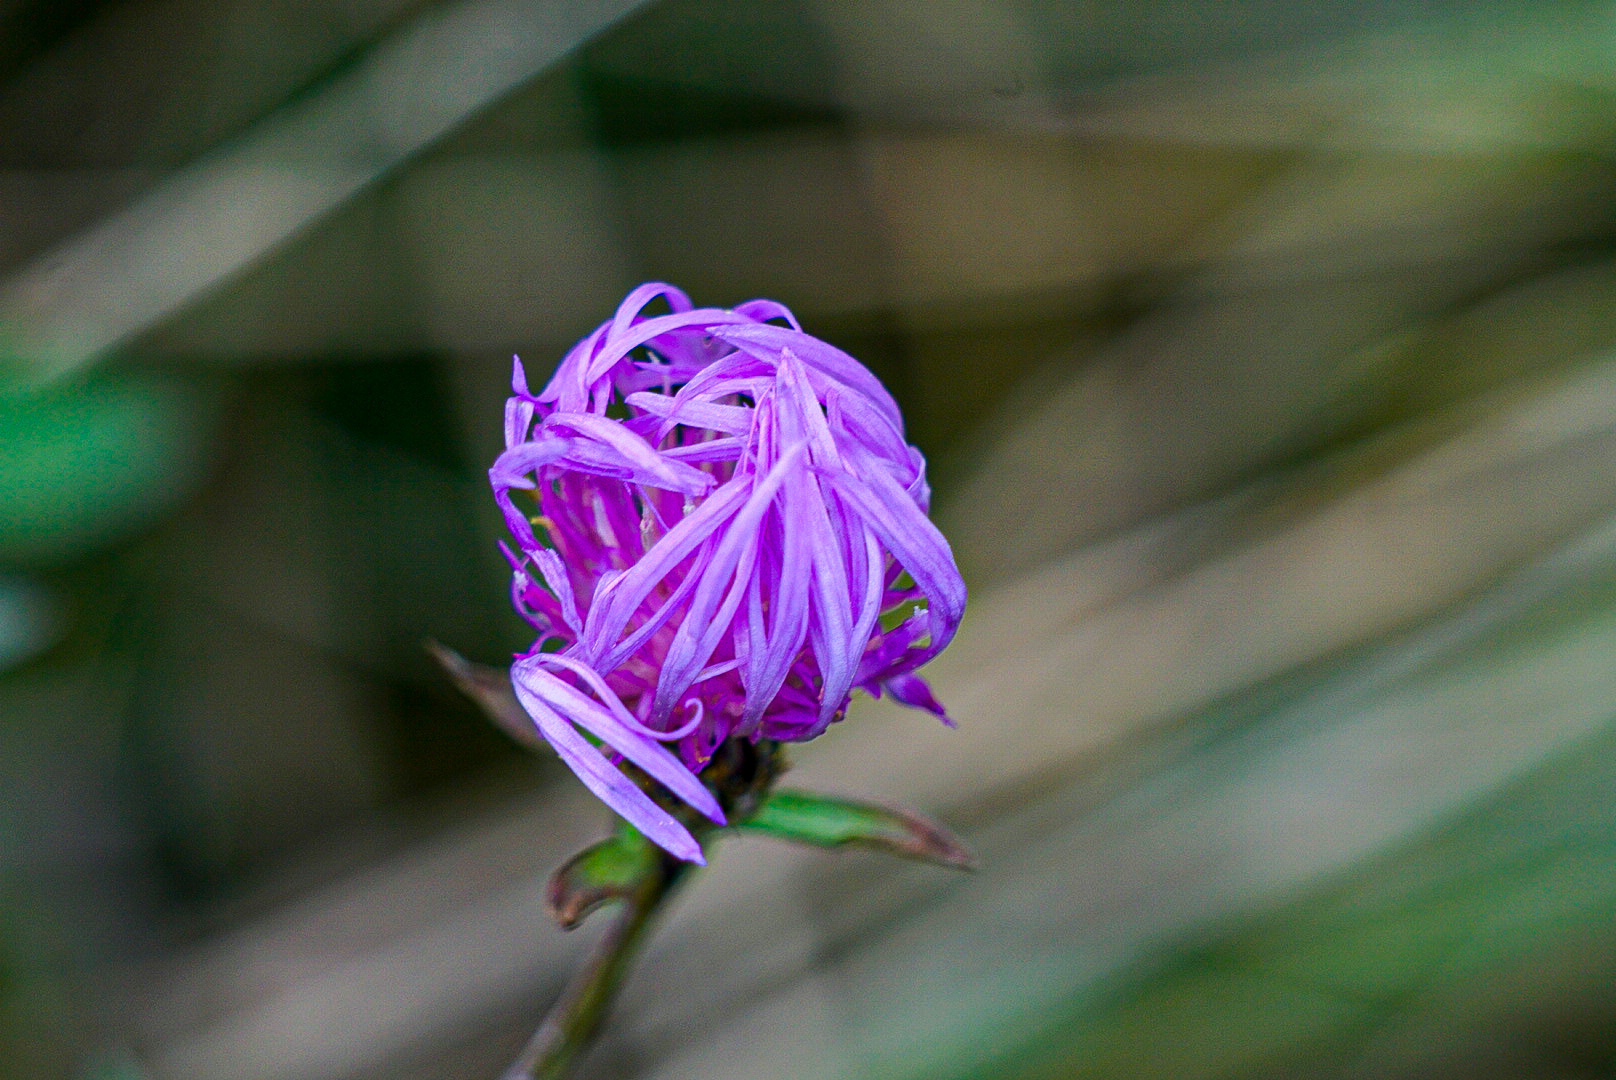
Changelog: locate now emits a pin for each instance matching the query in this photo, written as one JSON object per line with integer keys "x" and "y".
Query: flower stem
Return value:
{"x": 741, "y": 774}
{"x": 575, "y": 1020}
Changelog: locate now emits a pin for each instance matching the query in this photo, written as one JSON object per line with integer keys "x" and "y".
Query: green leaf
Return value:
{"x": 613, "y": 869}
{"x": 87, "y": 465}
{"x": 825, "y": 821}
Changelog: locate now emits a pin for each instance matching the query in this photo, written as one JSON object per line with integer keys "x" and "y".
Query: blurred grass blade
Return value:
{"x": 830, "y": 822}
{"x": 610, "y": 870}
{"x": 74, "y": 303}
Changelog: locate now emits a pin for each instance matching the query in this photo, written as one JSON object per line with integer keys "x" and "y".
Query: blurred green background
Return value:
{"x": 1263, "y": 353}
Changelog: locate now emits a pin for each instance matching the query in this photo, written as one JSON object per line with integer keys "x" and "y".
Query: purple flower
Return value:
{"x": 720, "y": 532}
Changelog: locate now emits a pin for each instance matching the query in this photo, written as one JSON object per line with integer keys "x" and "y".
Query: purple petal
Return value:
{"x": 766, "y": 340}
{"x": 765, "y": 310}
{"x": 555, "y": 576}
{"x": 728, "y": 419}
{"x": 914, "y": 541}
{"x": 910, "y": 689}
{"x": 620, "y": 342}
{"x": 726, "y": 449}
{"x": 567, "y": 387}
{"x": 856, "y": 422}
{"x": 515, "y": 520}
{"x": 599, "y": 775}
{"x": 603, "y": 447}
{"x": 722, "y": 588}
{"x": 773, "y": 646}
{"x": 831, "y": 617}
{"x": 615, "y": 602}
{"x": 736, "y": 374}
{"x": 680, "y": 781}
{"x": 511, "y": 468}
{"x": 638, "y": 300}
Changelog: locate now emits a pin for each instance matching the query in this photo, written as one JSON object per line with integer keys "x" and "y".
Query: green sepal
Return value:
{"x": 614, "y": 869}
{"x": 824, "y": 821}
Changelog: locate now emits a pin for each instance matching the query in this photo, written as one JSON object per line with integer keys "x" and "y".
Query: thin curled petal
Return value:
{"x": 775, "y": 638}
{"x": 610, "y": 722}
{"x": 766, "y": 340}
{"x": 616, "y": 601}
{"x": 608, "y": 782}
{"x": 696, "y": 795}
{"x": 705, "y": 452}
{"x": 767, "y": 311}
{"x": 721, "y": 590}
{"x": 693, "y": 412}
{"x": 622, "y": 342}
{"x": 605, "y": 448}
{"x": 916, "y": 543}
{"x": 555, "y": 576}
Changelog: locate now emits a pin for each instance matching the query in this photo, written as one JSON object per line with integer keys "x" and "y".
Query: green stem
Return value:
{"x": 740, "y": 775}
{"x": 575, "y": 1020}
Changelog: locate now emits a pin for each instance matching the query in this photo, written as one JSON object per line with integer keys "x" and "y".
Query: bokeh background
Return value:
{"x": 1263, "y": 352}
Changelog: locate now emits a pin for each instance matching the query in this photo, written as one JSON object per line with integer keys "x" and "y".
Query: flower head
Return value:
{"x": 720, "y": 532}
